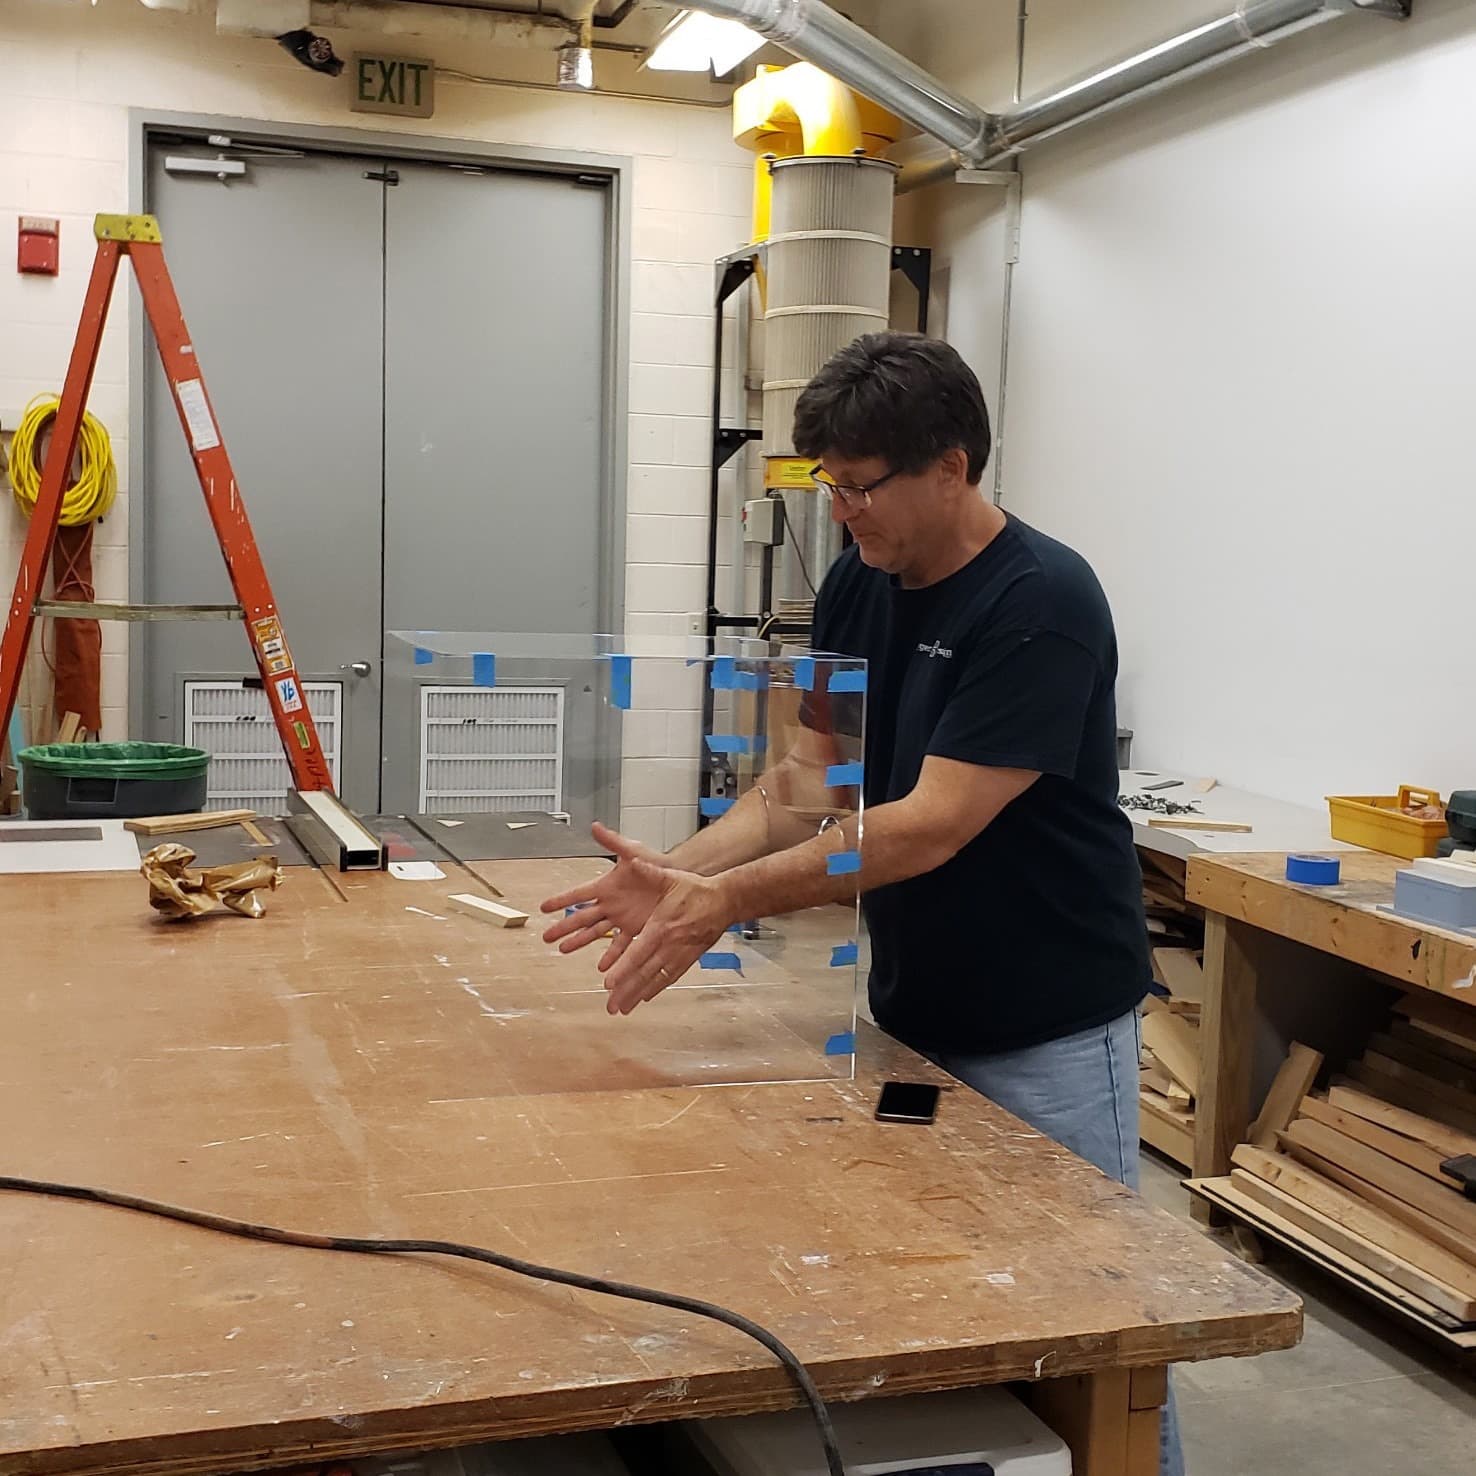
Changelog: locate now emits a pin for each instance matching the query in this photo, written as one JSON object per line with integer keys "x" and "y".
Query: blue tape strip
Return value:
{"x": 726, "y": 743}
{"x": 804, "y": 673}
{"x": 838, "y": 776}
{"x": 842, "y": 954}
{"x": 751, "y": 681}
{"x": 423, "y": 657}
{"x": 847, "y": 681}
{"x": 484, "y": 669}
{"x": 842, "y": 863}
{"x": 729, "y": 961}
{"x": 724, "y": 674}
{"x": 714, "y": 805}
{"x": 620, "y": 681}
{"x": 843, "y": 1044}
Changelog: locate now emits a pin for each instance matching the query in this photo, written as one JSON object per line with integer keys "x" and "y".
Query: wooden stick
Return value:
{"x": 195, "y": 820}
{"x": 1448, "y": 1141}
{"x": 1175, "y": 1045}
{"x": 1293, "y": 1082}
{"x": 488, "y": 911}
{"x": 67, "y": 729}
{"x": 1199, "y": 822}
{"x": 257, "y": 835}
{"x": 1408, "y": 1151}
{"x": 1412, "y": 1098}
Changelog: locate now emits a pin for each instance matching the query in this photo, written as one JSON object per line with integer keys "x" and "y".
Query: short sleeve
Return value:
{"x": 1021, "y": 703}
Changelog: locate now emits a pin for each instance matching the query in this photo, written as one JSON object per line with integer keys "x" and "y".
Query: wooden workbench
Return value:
{"x": 1247, "y": 900}
{"x": 371, "y": 1062}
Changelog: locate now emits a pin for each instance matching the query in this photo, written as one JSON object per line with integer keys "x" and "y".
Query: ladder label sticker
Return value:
{"x": 303, "y": 741}
{"x": 288, "y": 694}
{"x": 271, "y": 645}
{"x": 196, "y": 410}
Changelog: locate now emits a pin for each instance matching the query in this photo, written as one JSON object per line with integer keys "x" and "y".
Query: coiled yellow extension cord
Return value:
{"x": 97, "y": 484}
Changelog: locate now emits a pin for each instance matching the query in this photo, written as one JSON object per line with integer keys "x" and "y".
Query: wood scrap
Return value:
{"x": 1446, "y": 1140}
{"x": 69, "y": 727}
{"x": 1339, "y": 1220}
{"x": 1176, "y": 1046}
{"x": 1408, "y": 1151}
{"x": 1180, "y": 972}
{"x": 1182, "y": 822}
{"x": 1430, "y": 1063}
{"x": 254, "y": 833}
{"x": 1448, "y": 1017}
{"x": 1403, "y": 1094}
{"x": 1306, "y": 1138}
{"x": 193, "y": 820}
{"x": 487, "y": 910}
{"x": 1170, "y": 1132}
{"x": 1431, "y": 1086}
{"x": 1292, "y": 1082}
{"x": 1418, "y": 1034}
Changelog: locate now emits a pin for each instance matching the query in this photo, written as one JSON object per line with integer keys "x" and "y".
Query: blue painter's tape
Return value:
{"x": 1313, "y": 871}
{"x": 847, "y": 681}
{"x": 751, "y": 681}
{"x": 727, "y": 743}
{"x": 838, "y": 776}
{"x": 724, "y": 674}
{"x": 842, "y": 954}
{"x": 620, "y": 681}
{"x": 729, "y": 961}
{"x": 842, "y": 863}
{"x": 843, "y": 1044}
{"x": 804, "y": 673}
{"x": 484, "y": 669}
{"x": 423, "y": 657}
{"x": 714, "y": 805}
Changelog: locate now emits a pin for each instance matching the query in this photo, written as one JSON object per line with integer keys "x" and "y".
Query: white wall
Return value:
{"x": 70, "y": 74}
{"x": 1239, "y": 375}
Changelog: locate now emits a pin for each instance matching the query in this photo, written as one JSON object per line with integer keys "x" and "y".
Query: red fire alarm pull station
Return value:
{"x": 38, "y": 247}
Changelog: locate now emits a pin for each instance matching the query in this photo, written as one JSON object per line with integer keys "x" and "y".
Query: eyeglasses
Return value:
{"x": 852, "y": 498}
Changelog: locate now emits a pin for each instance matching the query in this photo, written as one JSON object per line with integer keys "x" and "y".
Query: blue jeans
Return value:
{"x": 1082, "y": 1091}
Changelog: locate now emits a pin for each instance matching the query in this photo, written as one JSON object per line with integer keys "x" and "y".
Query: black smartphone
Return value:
{"x": 907, "y": 1101}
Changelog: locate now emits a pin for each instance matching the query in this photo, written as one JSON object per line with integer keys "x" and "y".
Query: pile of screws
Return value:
{"x": 1156, "y": 804}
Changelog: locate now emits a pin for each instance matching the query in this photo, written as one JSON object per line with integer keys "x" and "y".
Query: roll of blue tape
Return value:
{"x": 1314, "y": 871}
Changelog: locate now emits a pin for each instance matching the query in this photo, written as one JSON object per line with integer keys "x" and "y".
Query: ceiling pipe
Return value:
{"x": 976, "y": 139}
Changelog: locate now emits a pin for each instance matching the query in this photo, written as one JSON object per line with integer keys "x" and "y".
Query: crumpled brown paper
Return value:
{"x": 177, "y": 892}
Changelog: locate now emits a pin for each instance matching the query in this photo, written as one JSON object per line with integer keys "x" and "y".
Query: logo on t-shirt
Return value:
{"x": 924, "y": 649}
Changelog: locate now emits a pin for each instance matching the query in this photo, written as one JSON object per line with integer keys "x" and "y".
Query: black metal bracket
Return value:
{"x": 1462, "y": 1168}
{"x": 916, "y": 264}
{"x": 730, "y": 440}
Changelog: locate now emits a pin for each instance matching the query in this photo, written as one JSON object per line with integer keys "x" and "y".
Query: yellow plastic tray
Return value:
{"x": 1374, "y": 821}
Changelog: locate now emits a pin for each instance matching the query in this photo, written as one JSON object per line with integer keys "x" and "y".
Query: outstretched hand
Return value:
{"x": 664, "y": 920}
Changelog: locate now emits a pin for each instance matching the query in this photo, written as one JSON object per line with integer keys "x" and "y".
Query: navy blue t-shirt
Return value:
{"x": 1034, "y": 930}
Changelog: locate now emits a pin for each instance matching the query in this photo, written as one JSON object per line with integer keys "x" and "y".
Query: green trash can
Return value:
{"x": 111, "y": 781}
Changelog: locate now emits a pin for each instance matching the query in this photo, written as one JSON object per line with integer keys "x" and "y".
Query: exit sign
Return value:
{"x": 393, "y": 84}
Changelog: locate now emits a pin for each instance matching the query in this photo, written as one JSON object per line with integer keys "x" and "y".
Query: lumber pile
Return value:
{"x": 1370, "y": 1176}
{"x": 1169, "y": 1064}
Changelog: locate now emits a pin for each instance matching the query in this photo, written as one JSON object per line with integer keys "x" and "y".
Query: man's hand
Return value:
{"x": 665, "y": 920}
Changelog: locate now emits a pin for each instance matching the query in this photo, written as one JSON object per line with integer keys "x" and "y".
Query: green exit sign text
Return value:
{"x": 394, "y": 84}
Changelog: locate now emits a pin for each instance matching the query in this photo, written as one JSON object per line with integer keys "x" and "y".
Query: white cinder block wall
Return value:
{"x": 70, "y": 74}
{"x": 1240, "y": 361}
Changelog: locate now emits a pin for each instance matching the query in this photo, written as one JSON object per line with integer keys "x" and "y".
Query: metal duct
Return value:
{"x": 829, "y": 273}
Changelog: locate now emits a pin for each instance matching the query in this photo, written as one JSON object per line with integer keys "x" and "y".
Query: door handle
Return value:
{"x": 359, "y": 668}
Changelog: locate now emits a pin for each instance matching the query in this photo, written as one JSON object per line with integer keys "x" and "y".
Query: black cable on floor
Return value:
{"x": 378, "y": 1246}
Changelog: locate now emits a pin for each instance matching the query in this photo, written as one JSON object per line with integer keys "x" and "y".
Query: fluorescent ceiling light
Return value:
{"x": 697, "y": 42}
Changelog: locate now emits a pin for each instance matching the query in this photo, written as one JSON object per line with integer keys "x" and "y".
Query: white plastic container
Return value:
{"x": 966, "y": 1432}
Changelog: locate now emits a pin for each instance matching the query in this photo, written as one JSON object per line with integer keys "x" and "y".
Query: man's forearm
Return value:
{"x": 735, "y": 837}
{"x": 800, "y": 877}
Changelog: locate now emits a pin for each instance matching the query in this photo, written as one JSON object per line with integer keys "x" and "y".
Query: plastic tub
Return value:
{"x": 104, "y": 781}
{"x": 1374, "y": 821}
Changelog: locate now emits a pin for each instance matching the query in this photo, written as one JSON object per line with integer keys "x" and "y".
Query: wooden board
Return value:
{"x": 195, "y": 820}
{"x": 1373, "y": 1238}
{"x": 1197, "y": 822}
{"x": 1292, "y": 1082}
{"x": 1170, "y": 1132}
{"x": 496, "y": 913}
{"x": 382, "y": 1064}
{"x": 1455, "y": 1018}
{"x": 1176, "y": 1047}
{"x": 1430, "y": 1086}
{"x": 1409, "y": 1151}
{"x": 1224, "y": 1195}
{"x": 1444, "y": 1205}
{"x": 1402, "y": 1093}
{"x": 1447, "y": 1140}
{"x": 1180, "y": 973}
{"x": 1342, "y": 920}
{"x": 1431, "y": 1039}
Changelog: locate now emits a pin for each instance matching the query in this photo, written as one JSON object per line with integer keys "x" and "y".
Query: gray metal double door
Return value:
{"x": 409, "y": 366}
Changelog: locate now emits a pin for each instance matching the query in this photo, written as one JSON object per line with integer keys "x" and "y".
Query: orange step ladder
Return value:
{"x": 137, "y": 237}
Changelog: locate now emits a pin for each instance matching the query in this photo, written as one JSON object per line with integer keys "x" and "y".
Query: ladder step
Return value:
{"x": 76, "y": 610}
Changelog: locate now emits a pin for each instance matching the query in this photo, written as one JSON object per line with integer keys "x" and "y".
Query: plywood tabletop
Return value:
{"x": 1348, "y": 920}
{"x": 350, "y": 1067}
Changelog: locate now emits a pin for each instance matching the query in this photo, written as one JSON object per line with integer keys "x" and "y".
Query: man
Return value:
{"x": 1001, "y": 888}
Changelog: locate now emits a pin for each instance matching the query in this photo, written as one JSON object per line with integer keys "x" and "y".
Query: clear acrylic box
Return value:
{"x": 507, "y": 748}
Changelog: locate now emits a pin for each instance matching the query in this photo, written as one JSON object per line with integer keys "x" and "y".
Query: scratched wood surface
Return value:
{"x": 1344, "y": 919}
{"x": 347, "y": 1066}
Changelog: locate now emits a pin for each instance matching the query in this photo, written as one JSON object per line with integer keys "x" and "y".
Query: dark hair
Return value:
{"x": 899, "y": 396}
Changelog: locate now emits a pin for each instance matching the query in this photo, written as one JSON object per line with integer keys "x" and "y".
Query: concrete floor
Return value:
{"x": 1358, "y": 1396}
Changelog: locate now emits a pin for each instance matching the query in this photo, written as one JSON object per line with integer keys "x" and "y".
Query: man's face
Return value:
{"x": 890, "y": 525}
